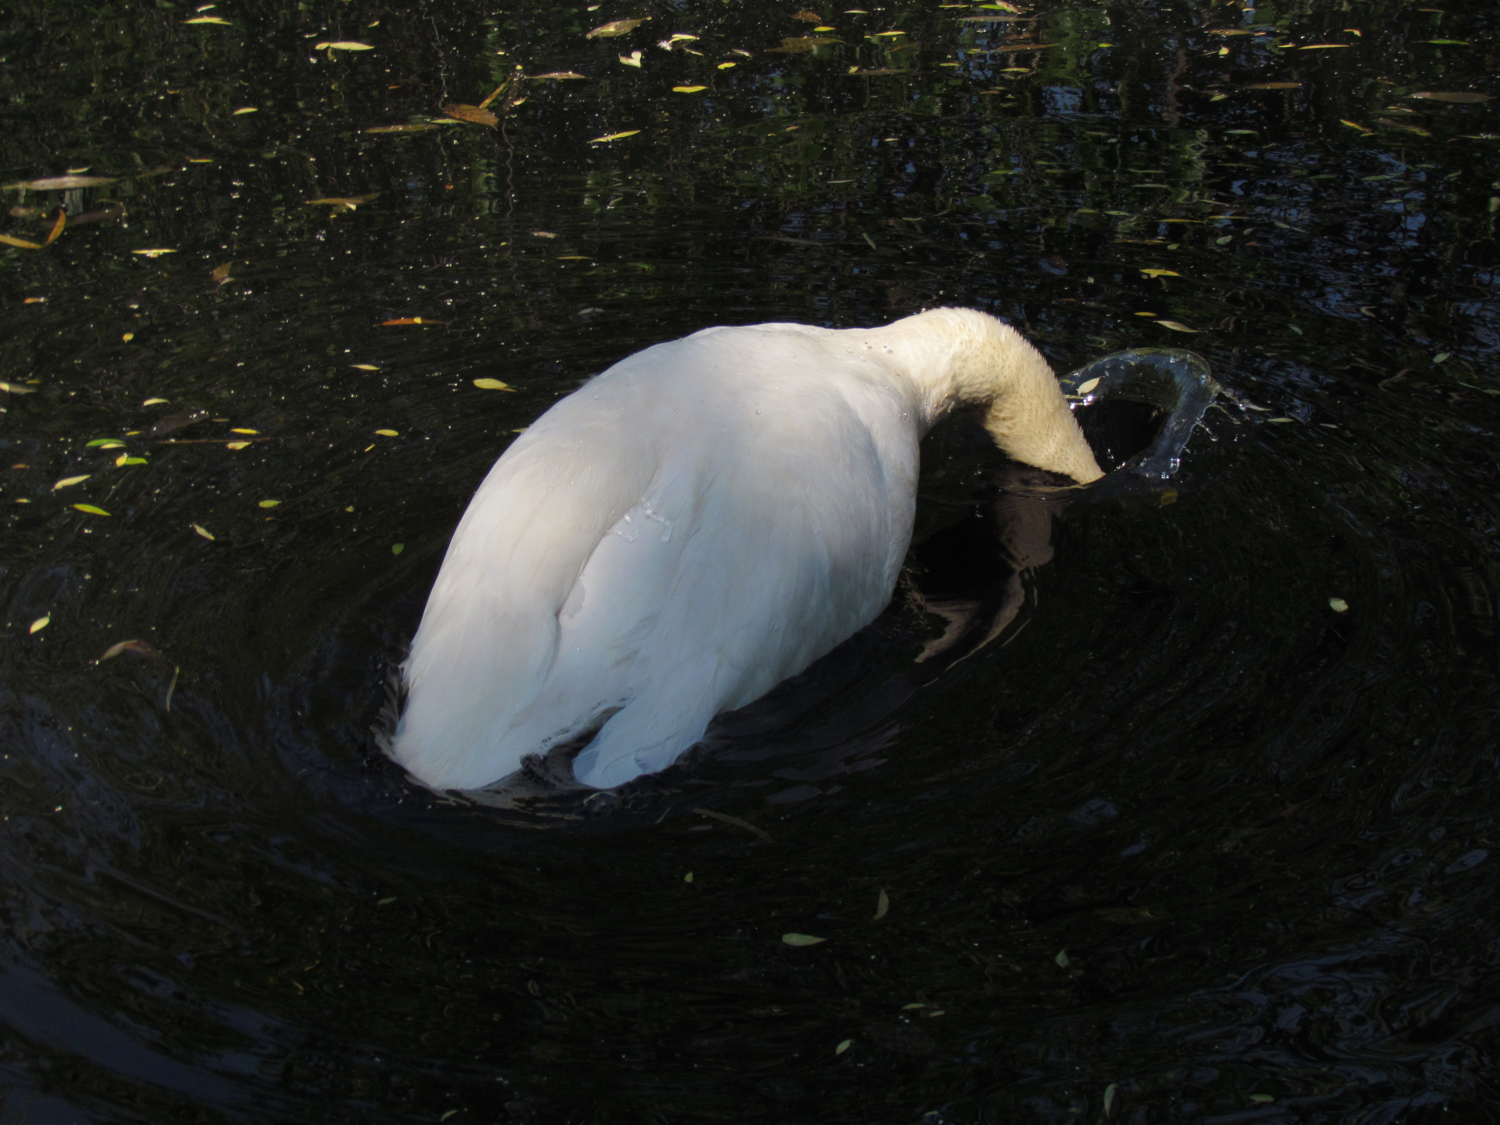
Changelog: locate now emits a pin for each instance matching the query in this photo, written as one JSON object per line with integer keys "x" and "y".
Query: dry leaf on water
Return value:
{"x": 63, "y": 183}
{"x": 1456, "y": 97}
{"x": 343, "y": 45}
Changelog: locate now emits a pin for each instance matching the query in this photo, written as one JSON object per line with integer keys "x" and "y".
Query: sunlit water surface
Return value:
{"x": 1152, "y": 804}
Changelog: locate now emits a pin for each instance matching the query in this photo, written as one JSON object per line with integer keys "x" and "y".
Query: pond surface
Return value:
{"x": 1159, "y": 805}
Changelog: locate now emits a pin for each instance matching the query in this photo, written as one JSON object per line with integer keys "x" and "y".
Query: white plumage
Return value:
{"x": 694, "y": 525}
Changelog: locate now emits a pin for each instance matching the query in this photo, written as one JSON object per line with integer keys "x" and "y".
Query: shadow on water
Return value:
{"x": 1167, "y": 802}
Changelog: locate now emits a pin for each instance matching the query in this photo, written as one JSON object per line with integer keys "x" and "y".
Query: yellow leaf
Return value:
{"x": 126, "y": 337}
{"x": 244, "y": 110}
{"x": 199, "y": 529}
{"x": 632, "y": 59}
{"x": 207, "y": 19}
{"x": 364, "y": 367}
{"x": 241, "y": 430}
{"x": 614, "y": 136}
{"x": 388, "y": 433}
{"x": 62, "y": 183}
{"x": 1161, "y": 273}
{"x": 726, "y": 65}
{"x": 24, "y": 244}
{"x": 40, "y": 623}
{"x": 1176, "y": 326}
{"x": 492, "y": 385}
{"x": 1353, "y": 125}
{"x": 236, "y": 445}
{"x": 343, "y": 45}
{"x": 69, "y": 481}
{"x": 155, "y": 401}
{"x": 269, "y": 503}
{"x": 221, "y": 273}
{"x": 688, "y": 89}
{"x": 91, "y": 509}
{"x": 801, "y": 939}
{"x": 559, "y": 74}
{"x": 153, "y": 253}
{"x": 1323, "y": 46}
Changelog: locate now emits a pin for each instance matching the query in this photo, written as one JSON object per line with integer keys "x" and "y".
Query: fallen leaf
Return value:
{"x": 62, "y": 183}
{"x": 1176, "y": 326}
{"x": 1261, "y": 1099}
{"x": 727, "y": 65}
{"x": 614, "y": 28}
{"x": 1354, "y": 125}
{"x": 244, "y": 110}
{"x": 1450, "y": 42}
{"x": 1457, "y": 97}
{"x": 1324, "y": 46}
{"x": 221, "y": 273}
{"x": 798, "y": 45}
{"x": 343, "y": 45}
{"x": 807, "y": 17}
{"x": 68, "y": 482}
{"x": 492, "y": 385}
{"x": 91, "y": 509}
{"x": 1338, "y": 605}
{"x": 206, "y": 19}
{"x": 801, "y": 939}
{"x": 396, "y": 549}
{"x": 1273, "y": 86}
{"x": 155, "y": 401}
{"x": 40, "y": 623}
{"x": 157, "y": 253}
{"x": 126, "y": 459}
{"x": 470, "y": 113}
{"x": 723, "y": 817}
{"x": 687, "y": 89}
{"x": 401, "y": 128}
{"x": 24, "y": 244}
{"x": 388, "y": 433}
{"x": 1160, "y": 273}
{"x": 844, "y": 1046}
{"x": 364, "y": 367}
{"x": 126, "y": 337}
{"x": 236, "y": 445}
{"x": 543, "y": 234}
{"x": 349, "y": 202}
{"x": 200, "y": 530}
{"x": 57, "y": 227}
{"x": 406, "y": 320}
{"x": 560, "y": 74}
{"x": 268, "y": 503}
{"x": 1062, "y": 959}
{"x": 632, "y": 59}
{"x": 241, "y": 430}
{"x": 1085, "y": 387}
{"x": 614, "y": 136}
{"x": 882, "y": 905}
{"x": 105, "y": 443}
{"x": 140, "y": 648}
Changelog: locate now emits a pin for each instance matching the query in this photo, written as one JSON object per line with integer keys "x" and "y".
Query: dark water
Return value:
{"x": 1181, "y": 842}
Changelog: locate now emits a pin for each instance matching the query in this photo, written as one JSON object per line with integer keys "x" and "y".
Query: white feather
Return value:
{"x": 694, "y": 525}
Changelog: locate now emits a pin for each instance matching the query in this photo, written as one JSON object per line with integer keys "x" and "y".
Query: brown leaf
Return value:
{"x": 63, "y": 183}
{"x": 799, "y": 45}
{"x": 495, "y": 93}
{"x": 402, "y": 321}
{"x": 141, "y": 648}
{"x": 24, "y": 244}
{"x": 559, "y": 74}
{"x": 614, "y": 28}
{"x": 1273, "y": 86}
{"x": 470, "y": 113}
{"x": 221, "y": 273}
{"x": 57, "y": 227}
{"x": 807, "y": 16}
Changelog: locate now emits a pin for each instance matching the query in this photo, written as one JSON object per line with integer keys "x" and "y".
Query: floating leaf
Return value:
{"x": 388, "y": 433}
{"x": 364, "y": 367}
{"x": 68, "y": 482}
{"x": 801, "y": 939}
{"x": 1160, "y": 273}
{"x": 221, "y": 273}
{"x": 882, "y": 905}
{"x": 492, "y": 385}
{"x": 844, "y": 1046}
{"x": 632, "y": 59}
{"x": 687, "y": 89}
{"x": 396, "y": 549}
{"x": 1085, "y": 388}
{"x": 402, "y": 321}
{"x": 723, "y": 817}
{"x": 268, "y": 503}
{"x": 91, "y": 509}
{"x": 1338, "y": 605}
{"x": 1273, "y": 86}
{"x": 543, "y": 234}
{"x": 1457, "y": 97}
{"x": 201, "y": 530}
{"x": 156, "y": 253}
{"x": 206, "y": 19}
{"x": 1449, "y": 42}
{"x": 126, "y": 459}
{"x": 16, "y": 389}
{"x": 236, "y": 445}
{"x": 807, "y": 16}
{"x": 348, "y": 202}
{"x": 105, "y": 443}
{"x": 614, "y": 136}
{"x": 1441, "y": 357}
{"x": 126, "y": 337}
{"x": 1354, "y": 125}
{"x": 614, "y": 28}
{"x": 343, "y": 45}
{"x": 470, "y": 113}
{"x": 688, "y": 878}
{"x": 798, "y": 45}
{"x": 1176, "y": 326}
{"x": 1062, "y": 959}
{"x": 140, "y": 648}
{"x": 1323, "y": 46}
{"x": 244, "y": 110}
{"x": 727, "y": 65}
{"x": 560, "y": 74}
{"x": 422, "y": 128}
{"x": 23, "y": 243}
{"x": 62, "y": 183}
{"x": 155, "y": 401}
{"x": 40, "y": 623}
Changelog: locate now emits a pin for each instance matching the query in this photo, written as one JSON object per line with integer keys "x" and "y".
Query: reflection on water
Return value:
{"x": 1179, "y": 797}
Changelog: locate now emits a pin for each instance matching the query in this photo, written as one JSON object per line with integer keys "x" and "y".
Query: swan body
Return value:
{"x": 691, "y": 527}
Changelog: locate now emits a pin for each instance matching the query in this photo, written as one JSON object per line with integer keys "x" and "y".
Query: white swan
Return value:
{"x": 691, "y": 527}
